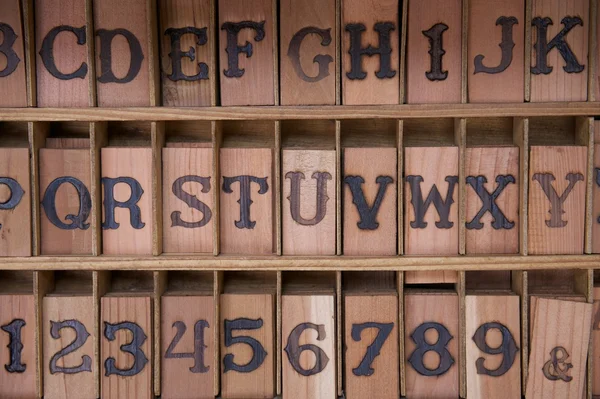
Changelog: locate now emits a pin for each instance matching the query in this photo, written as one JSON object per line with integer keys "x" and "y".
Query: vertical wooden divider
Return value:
{"x": 90, "y": 37}
{"x": 279, "y": 338}
{"x": 528, "y": 30}
{"x": 400, "y": 186}
{"x": 460, "y": 139}
{"x": 101, "y": 283}
{"x": 403, "y": 41}
{"x": 216, "y": 128}
{"x": 43, "y": 283}
{"x": 275, "y": 19}
{"x": 464, "y": 64}
{"x": 277, "y": 160}
{"x": 160, "y": 285}
{"x": 338, "y": 53}
{"x": 338, "y": 186}
{"x": 339, "y": 368}
{"x": 153, "y": 63}
{"x": 593, "y": 52}
{"x": 584, "y": 132}
{"x": 217, "y": 288}
{"x": 519, "y": 285}
{"x": 157, "y": 143}
{"x": 37, "y": 132}
{"x": 401, "y": 354}
{"x": 29, "y": 33}
{"x": 462, "y": 333}
{"x": 98, "y": 139}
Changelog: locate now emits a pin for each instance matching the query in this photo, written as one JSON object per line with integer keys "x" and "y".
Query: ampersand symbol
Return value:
{"x": 557, "y": 368}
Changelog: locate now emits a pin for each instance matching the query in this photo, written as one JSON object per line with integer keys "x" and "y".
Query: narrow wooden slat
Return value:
{"x": 460, "y": 139}
{"x": 520, "y": 287}
{"x": 338, "y": 186}
{"x": 584, "y": 132}
{"x": 275, "y": 20}
{"x": 91, "y": 48}
{"x": 158, "y": 142}
{"x": 462, "y": 328}
{"x": 338, "y": 52}
{"x": 403, "y": 41}
{"x": 277, "y": 188}
{"x": 98, "y": 139}
{"x": 217, "y": 289}
{"x": 214, "y": 48}
{"x": 160, "y": 285}
{"x": 339, "y": 333}
{"x": 43, "y": 283}
{"x": 593, "y": 52}
{"x": 217, "y": 139}
{"x": 153, "y": 54}
{"x": 29, "y": 30}
{"x": 521, "y": 139}
{"x": 401, "y": 354}
{"x": 101, "y": 283}
{"x": 400, "y": 186}
{"x": 464, "y": 92}
{"x": 528, "y": 44}
{"x": 589, "y": 277}
{"x": 37, "y": 132}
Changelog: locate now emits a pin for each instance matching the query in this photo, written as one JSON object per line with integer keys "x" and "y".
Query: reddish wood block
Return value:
{"x": 15, "y": 81}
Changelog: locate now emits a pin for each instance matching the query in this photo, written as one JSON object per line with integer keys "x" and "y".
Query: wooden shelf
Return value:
{"x": 401, "y": 111}
{"x": 289, "y": 263}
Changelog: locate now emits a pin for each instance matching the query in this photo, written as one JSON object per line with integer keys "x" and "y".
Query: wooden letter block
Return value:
{"x": 15, "y": 202}
{"x": 496, "y": 74}
{"x": 371, "y": 327}
{"x": 309, "y": 352}
{"x": 558, "y": 347}
{"x": 433, "y": 51}
{"x": 559, "y": 75}
{"x": 126, "y": 347}
{"x": 308, "y": 42}
{"x": 127, "y": 200}
{"x": 186, "y": 55}
{"x": 187, "y": 347}
{"x": 68, "y": 370}
{"x": 247, "y": 201}
{"x": 17, "y": 324}
{"x": 12, "y": 59}
{"x": 246, "y": 47}
{"x": 370, "y": 201}
{"x": 431, "y": 203}
{"x": 493, "y": 346}
{"x": 492, "y": 225}
{"x": 431, "y": 345}
{"x": 62, "y": 53}
{"x": 65, "y": 202}
{"x": 309, "y": 198}
{"x": 247, "y": 346}
{"x": 122, "y": 53}
{"x": 366, "y": 78}
{"x": 188, "y": 203}
{"x": 596, "y": 344}
{"x": 557, "y": 184}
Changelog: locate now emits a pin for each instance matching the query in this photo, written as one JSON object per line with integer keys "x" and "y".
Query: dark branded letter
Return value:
{"x": 543, "y": 47}
{"x": 499, "y": 221}
{"x": 234, "y": 50}
{"x": 81, "y": 336}
{"x": 199, "y": 346}
{"x": 293, "y": 349}
{"x": 436, "y": 51}
{"x": 508, "y": 349}
{"x": 16, "y": 194}
{"x": 439, "y": 347}
{"x": 384, "y": 51}
{"x": 556, "y": 202}
{"x": 192, "y": 201}
{"x": 442, "y": 206}
{"x": 85, "y": 204}
{"x": 110, "y": 203}
{"x": 295, "y": 196}
{"x": 47, "y": 52}
{"x": 137, "y": 56}
{"x": 15, "y": 346}
{"x": 373, "y": 350}
{"x": 12, "y": 59}
{"x": 176, "y": 54}
{"x": 321, "y": 59}
{"x": 258, "y": 351}
{"x": 368, "y": 216}
{"x": 134, "y": 348}
{"x": 506, "y": 46}
{"x": 245, "y": 196}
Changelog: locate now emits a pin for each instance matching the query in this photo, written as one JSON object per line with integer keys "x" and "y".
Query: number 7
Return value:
{"x": 373, "y": 350}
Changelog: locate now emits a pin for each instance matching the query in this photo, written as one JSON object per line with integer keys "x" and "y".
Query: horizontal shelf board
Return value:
{"x": 402, "y": 111}
{"x": 343, "y": 263}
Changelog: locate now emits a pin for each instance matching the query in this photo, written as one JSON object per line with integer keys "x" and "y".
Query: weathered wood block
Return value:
{"x": 370, "y": 79}
{"x": 307, "y": 48}
{"x": 69, "y": 355}
{"x": 247, "y": 201}
{"x": 496, "y": 75}
{"x": 433, "y": 51}
{"x": 63, "y": 58}
{"x": 596, "y": 343}
{"x": 559, "y": 52}
{"x": 492, "y": 218}
{"x": 12, "y": 64}
{"x": 187, "y": 346}
{"x": 15, "y": 206}
{"x": 246, "y": 53}
{"x": 127, "y": 200}
{"x": 431, "y": 345}
{"x": 188, "y": 203}
{"x": 126, "y": 346}
{"x": 493, "y": 346}
{"x": 557, "y": 199}
{"x": 122, "y": 53}
{"x": 370, "y": 201}
{"x": 65, "y": 202}
{"x": 17, "y": 322}
{"x": 309, "y": 200}
{"x": 308, "y": 320}
{"x": 431, "y": 197}
{"x": 247, "y": 345}
{"x": 559, "y": 346}
{"x": 371, "y": 341}
{"x": 186, "y": 55}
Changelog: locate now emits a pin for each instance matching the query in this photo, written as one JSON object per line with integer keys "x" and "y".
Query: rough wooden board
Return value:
{"x": 256, "y": 86}
{"x": 422, "y": 16}
{"x": 137, "y": 164}
{"x": 255, "y": 162}
{"x": 384, "y": 382}
{"x": 492, "y": 162}
{"x": 11, "y": 14}
{"x": 15, "y": 237}
{"x": 297, "y": 89}
{"x": 560, "y": 161}
{"x": 508, "y": 85}
{"x": 178, "y": 381}
{"x": 81, "y": 385}
{"x": 118, "y": 309}
{"x": 177, "y": 163}
{"x": 260, "y": 382}
{"x": 319, "y": 310}
{"x": 370, "y": 90}
{"x": 54, "y": 164}
{"x": 313, "y": 239}
{"x": 503, "y": 309}
{"x": 370, "y": 164}
{"x": 69, "y": 56}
